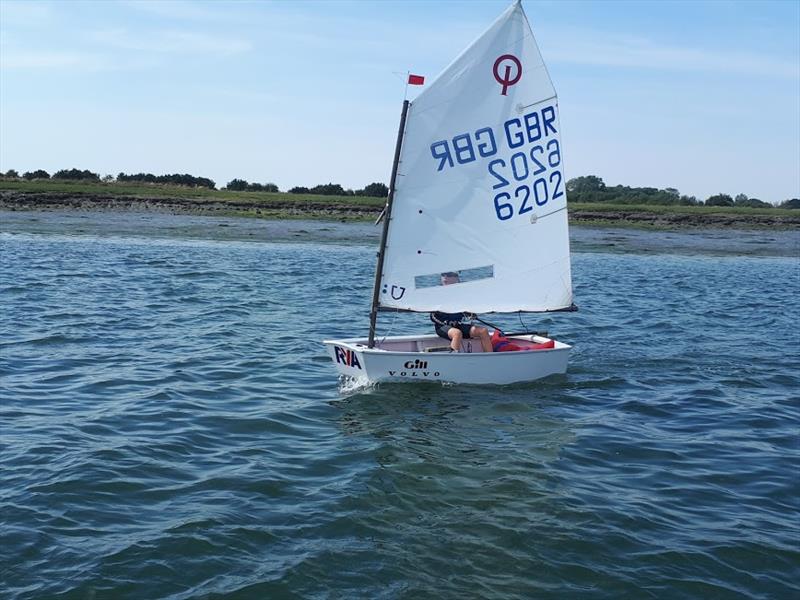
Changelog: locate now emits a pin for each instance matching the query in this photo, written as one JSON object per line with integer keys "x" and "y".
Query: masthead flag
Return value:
{"x": 416, "y": 79}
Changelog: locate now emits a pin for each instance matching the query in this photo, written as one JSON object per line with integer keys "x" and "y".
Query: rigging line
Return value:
{"x": 551, "y": 213}
{"x": 553, "y": 97}
{"x": 489, "y": 324}
{"x": 391, "y": 326}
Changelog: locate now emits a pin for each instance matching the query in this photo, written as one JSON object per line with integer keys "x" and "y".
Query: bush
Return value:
{"x": 262, "y": 187}
{"x": 591, "y": 188}
{"x": 328, "y": 189}
{"x": 374, "y": 190}
{"x": 37, "y": 174}
{"x": 237, "y": 185}
{"x": 751, "y": 203}
{"x": 793, "y": 203}
{"x": 175, "y": 179}
{"x": 719, "y": 200}
{"x": 76, "y": 174}
{"x": 587, "y": 184}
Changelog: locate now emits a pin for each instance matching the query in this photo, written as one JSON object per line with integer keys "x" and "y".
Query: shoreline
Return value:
{"x": 179, "y": 228}
{"x": 341, "y": 210}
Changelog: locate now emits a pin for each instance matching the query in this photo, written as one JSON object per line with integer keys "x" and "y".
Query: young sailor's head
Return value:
{"x": 449, "y": 277}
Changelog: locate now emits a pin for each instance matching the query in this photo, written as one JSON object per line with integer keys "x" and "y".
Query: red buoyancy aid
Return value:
{"x": 501, "y": 343}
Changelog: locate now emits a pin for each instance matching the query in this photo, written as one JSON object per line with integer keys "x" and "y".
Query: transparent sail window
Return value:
{"x": 454, "y": 277}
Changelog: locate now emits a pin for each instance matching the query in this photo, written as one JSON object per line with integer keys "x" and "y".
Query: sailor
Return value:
{"x": 451, "y": 326}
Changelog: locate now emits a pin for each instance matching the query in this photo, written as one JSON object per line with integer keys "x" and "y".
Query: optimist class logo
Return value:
{"x": 506, "y": 80}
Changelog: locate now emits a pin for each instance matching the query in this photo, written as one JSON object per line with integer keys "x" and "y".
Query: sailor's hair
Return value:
{"x": 450, "y": 274}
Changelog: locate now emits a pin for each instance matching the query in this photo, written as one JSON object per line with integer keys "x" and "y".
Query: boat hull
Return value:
{"x": 424, "y": 358}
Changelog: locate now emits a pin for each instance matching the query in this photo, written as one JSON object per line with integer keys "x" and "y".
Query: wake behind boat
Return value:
{"x": 477, "y": 189}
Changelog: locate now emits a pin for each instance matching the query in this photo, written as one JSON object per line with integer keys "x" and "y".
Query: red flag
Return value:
{"x": 416, "y": 80}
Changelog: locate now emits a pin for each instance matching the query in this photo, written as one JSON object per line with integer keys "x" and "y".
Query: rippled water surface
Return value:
{"x": 171, "y": 426}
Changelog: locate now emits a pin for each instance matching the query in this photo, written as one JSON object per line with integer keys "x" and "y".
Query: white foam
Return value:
{"x": 353, "y": 385}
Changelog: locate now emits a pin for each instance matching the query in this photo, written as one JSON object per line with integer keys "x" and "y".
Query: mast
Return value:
{"x": 373, "y": 315}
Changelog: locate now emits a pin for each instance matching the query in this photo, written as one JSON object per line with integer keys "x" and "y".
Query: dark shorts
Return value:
{"x": 441, "y": 330}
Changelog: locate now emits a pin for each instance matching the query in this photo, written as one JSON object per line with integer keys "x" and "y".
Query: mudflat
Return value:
{"x": 306, "y": 206}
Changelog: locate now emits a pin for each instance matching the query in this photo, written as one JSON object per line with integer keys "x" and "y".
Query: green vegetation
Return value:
{"x": 143, "y": 190}
{"x": 591, "y": 202}
{"x": 70, "y": 175}
{"x": 175, "y": 179}
{"x": 39, "y": 174}
{"x": 591, "y": 189}
{"x": 374, "y": 190}
{"x": 607, "y": 207}
{"x": 240, "y": 185}
{"x": 276, "y": 201}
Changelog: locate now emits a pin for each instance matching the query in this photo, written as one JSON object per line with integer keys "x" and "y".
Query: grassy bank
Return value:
{"x": 81, "y": 195}
{"x": 147, "y": 190}
{"x": 660, "y": 209}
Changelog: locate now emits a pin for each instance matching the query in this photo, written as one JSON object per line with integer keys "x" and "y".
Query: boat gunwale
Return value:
{"x": 355, "y": 344}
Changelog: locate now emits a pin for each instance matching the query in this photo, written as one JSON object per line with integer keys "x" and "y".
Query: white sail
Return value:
{"x": 481, "y": 186}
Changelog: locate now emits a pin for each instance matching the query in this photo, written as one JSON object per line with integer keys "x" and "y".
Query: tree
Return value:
{"x": 76, "y": 174}
{"x": 262, "y": 187}
{"x": 37, "y": 174}
{"x": 751, "y": 202}
{"x": 11, "y": 173}
{"x": 719, "y": 200}
{"x": 793, "y": 203}
{"x": 586, "y": 183}
{"x": 328, "y": 189}
{"x": 588, "y": 188}
{"x": 299, "y": 190}
{"x": 374, "y": 190}
{"x": 237, "y": 185}
{"x": 175, "y": 179}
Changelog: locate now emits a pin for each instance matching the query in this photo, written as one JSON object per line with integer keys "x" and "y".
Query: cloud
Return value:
{"x": 51, "y": 60}
{"x": 180, "y": 10}
{"x": 24, "y": 13}
{"x": 171, "y": 42}
{"x": 589, "y": 48}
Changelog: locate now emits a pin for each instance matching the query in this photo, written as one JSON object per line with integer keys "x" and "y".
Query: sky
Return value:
{"x": 699, "y": 96}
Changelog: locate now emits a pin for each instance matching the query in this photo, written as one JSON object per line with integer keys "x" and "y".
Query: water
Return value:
{"x": 171, "y": 427}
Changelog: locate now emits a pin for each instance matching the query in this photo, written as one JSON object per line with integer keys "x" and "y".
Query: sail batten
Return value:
{"x": 481, "y": 190}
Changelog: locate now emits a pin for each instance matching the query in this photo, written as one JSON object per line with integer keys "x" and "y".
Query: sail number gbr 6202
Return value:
{"x": 539, "y": 164}
{"x": 523, "y": 160}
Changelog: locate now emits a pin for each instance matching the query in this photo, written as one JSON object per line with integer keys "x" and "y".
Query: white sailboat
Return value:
{"x": 478, "y": 189}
